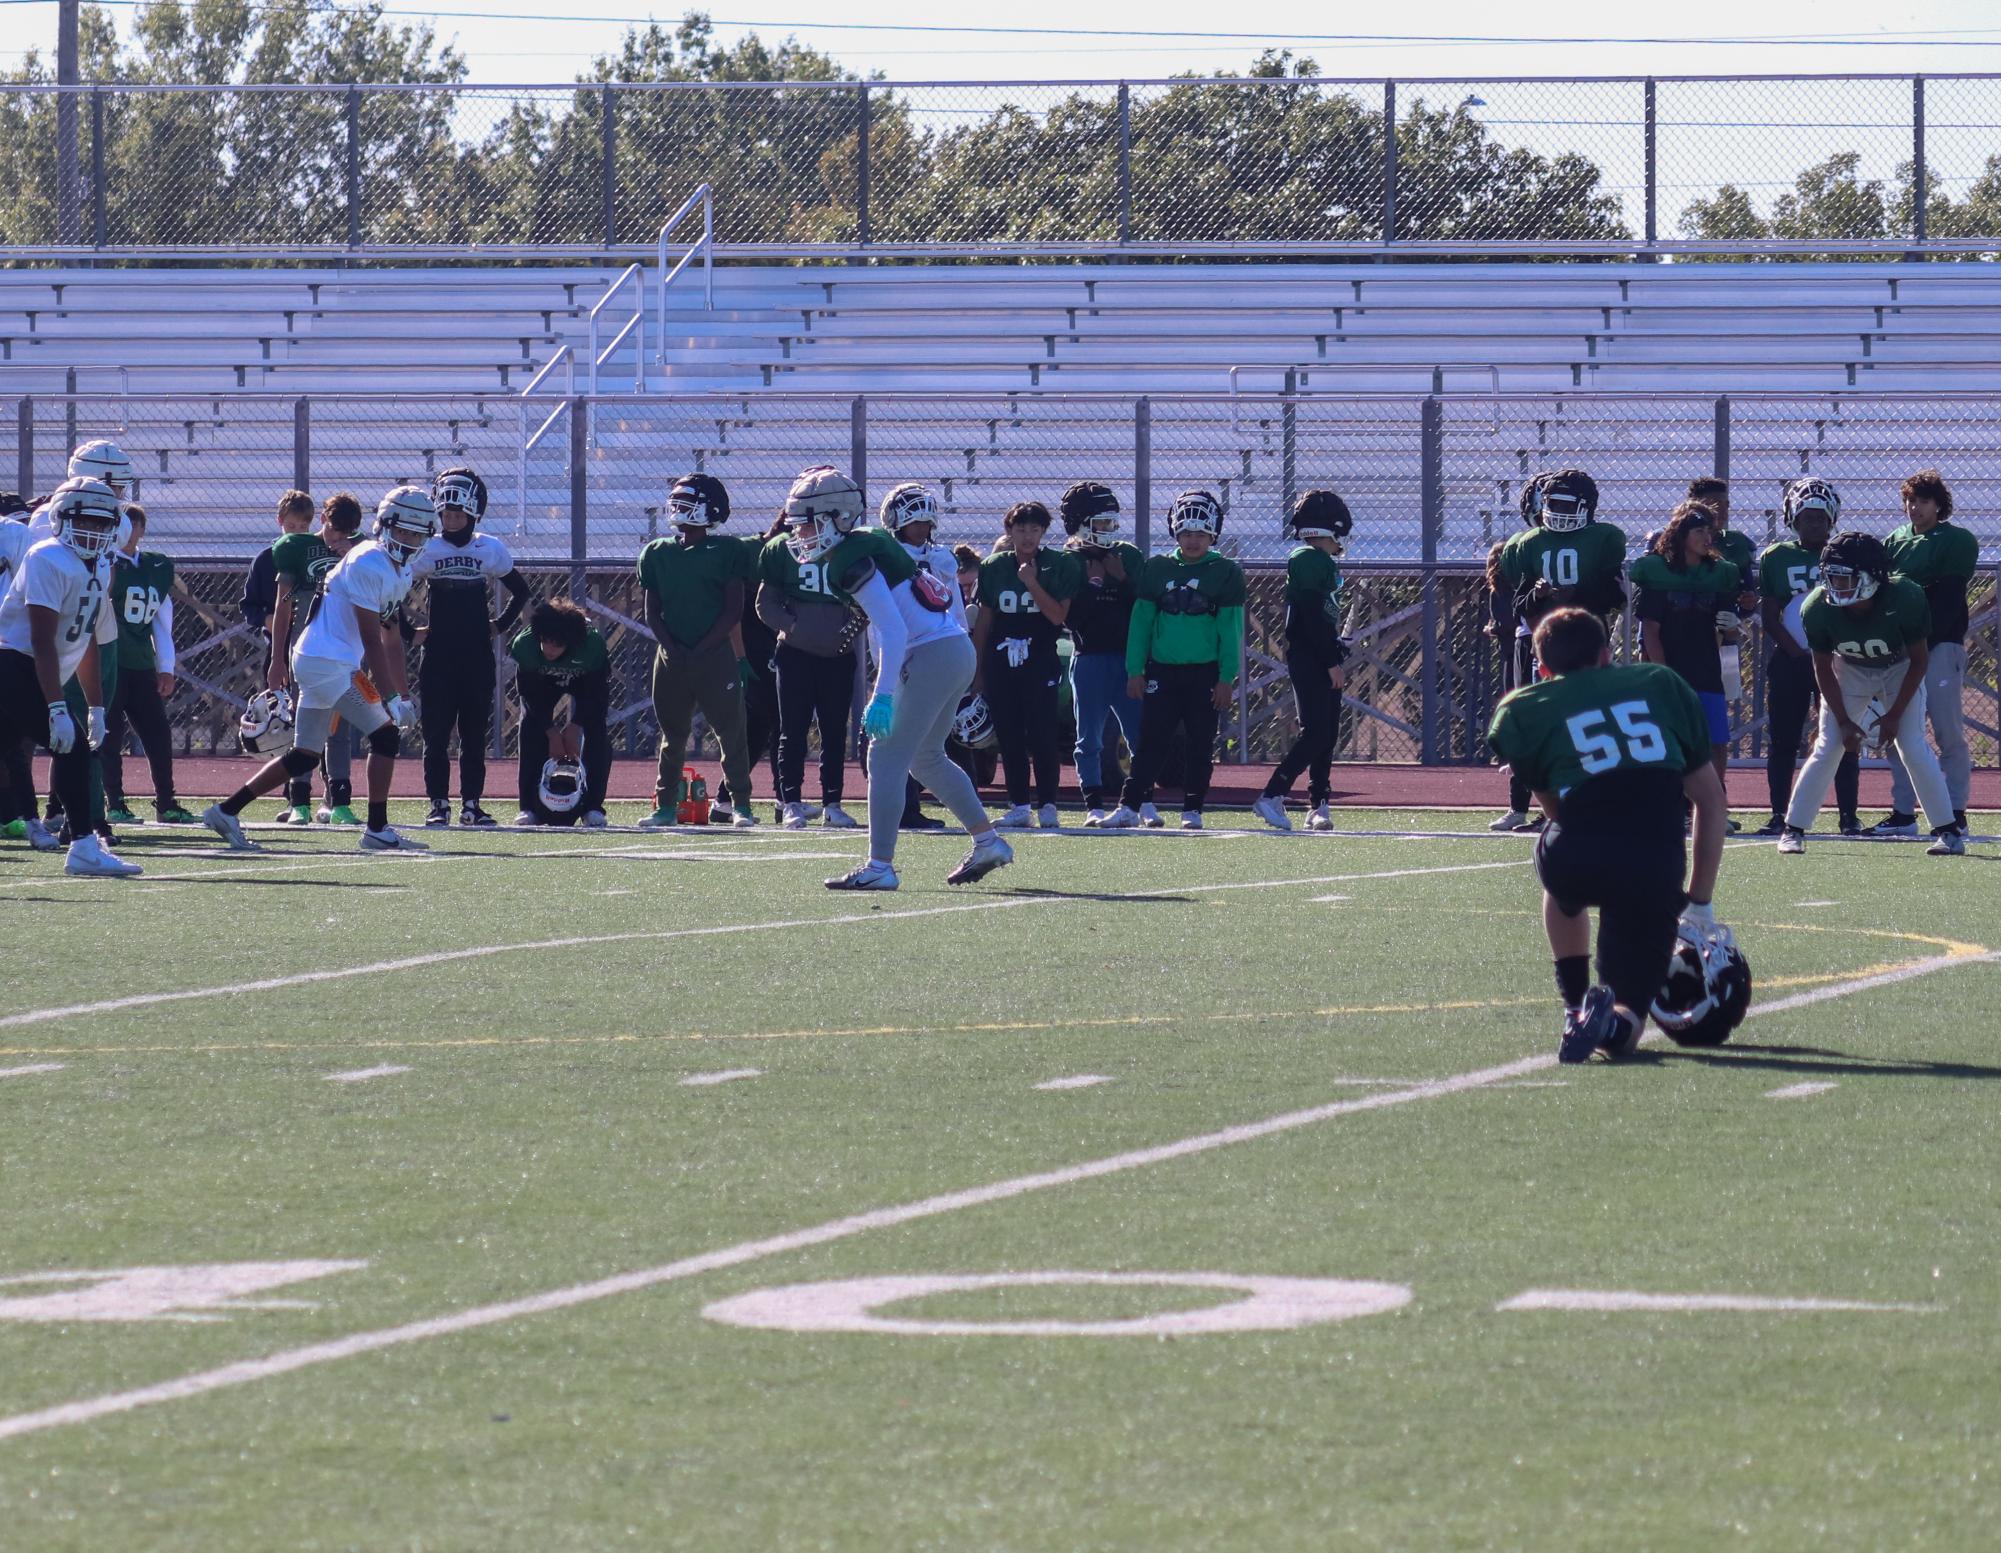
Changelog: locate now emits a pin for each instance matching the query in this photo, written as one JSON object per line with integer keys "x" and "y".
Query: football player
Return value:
{"x": 20, "y": 819}
{"x": 1681, "y": 588}
{"x": 1024, "y": 597}
{"x": 815, "y": 667}
{"x": 924, "y": 664}
{"x": 456, "y": 676}
{"x": 142, "y": 583}
{"x": 1183, "y": 655}
{"x": 1940, "y": 557}
{"x": 1314, "y": 652}
{"x": 560, "y": 655}
{"x": 1787, "y": 571}
{"x": 1732, "y": 545}
{"x": 695, "y": 586}
{"x": 1564, "y": 556}
{"x": 1611, "y": 753}
{"x": 1869, "y": 632}
{"x": 48, "y": 635}
{"x": 300, "y": 565}
{"x": 910, "y": 513}
{"x": 349, "y": 654}
{"x": 1099, "y": 620}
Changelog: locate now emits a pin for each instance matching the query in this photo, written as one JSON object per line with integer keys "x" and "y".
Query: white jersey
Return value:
{"x": 15, "y": 539}
{"x": 364, "y": 579}
{"x": 53, "y": 576}
{"x": 939, "y": 561}
{"x": 481, "y": 559}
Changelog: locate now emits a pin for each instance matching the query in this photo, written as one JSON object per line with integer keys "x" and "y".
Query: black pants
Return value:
{"x": 1319, "y": 726}
{"x": 1636, "y": 885}
{"x": 760, "y": 728}
{"x": 1521, "y": 671}
{"x": 139, "y": 706}
{"x": 1789, "y": 693}
{"x": 24, "y": 721}
{"x": 812, "y": 689}
{"x": 1177, "y": 697}
{"x": 1025, "y": 707}
{"x": 17, "y": 782}
{"x": 590, "y": 710}
{"x": 456, "y": 692}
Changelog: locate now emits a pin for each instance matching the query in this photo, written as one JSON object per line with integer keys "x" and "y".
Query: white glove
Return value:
{"x": 62, "y": 729}
{"x": 1017, "y": 651}
{"x": 403, "y": 712}
{"x": 1703, "y": 913}
{"x": 100, "y": 727}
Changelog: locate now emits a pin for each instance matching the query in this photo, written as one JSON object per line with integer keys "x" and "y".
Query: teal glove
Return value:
{"x": 876, "y": 718}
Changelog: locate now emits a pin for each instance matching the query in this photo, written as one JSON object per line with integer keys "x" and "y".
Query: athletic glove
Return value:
{"x": 1702, "y": 913}
{"x": 876, "y": 719}
{"x": 62, "y": 729}
{"x": 100, "y": 727}
{"x": 403, "y": 712}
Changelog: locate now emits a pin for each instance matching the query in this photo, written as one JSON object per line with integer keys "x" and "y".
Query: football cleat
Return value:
{"x": 919, "y": 821}
{"x": 834, "y": 817}
{"x": 89, "y": 858}
{"x": 1792, "y": 842}
{"x": 792, "y": 816}
{"x": 1947, "y": 841}
{"x": 594, "y": 819}
{"x": 1047, "y": 818}
{"x": 1321, "y": 820}
{"x": 1588, "y": 1028}
{"x": 229, "y": 827}
{"x": 1625, "y": 1037}
{"x": 1894, "y": 824}
{"x": 527, "y": 819}
{"x": 1271, "y": 810}
{"x": 1094, "y": 819}
{"x": 989, "y": 852}
{"x": 742, "y": 819}
{"x": 338, "y": 814}
{"x": 1775, "y": 826}
{"x": 1149, "y": 817}
{"x": 1514, "y": 819}
{"x": 441, "y": 813}
{"x": 1708, "y": 986}
{"x": 389, "y": 839}
{"x": 1020, "y": 817}
{"x": 660, "y": 819}
{"x": 40, "y": 837}
{"x": 1191, "y": 819}
{"x": 1120, "y": 818}
{"x": 295, "y": 814}
{"x": 118, "y": 814}
{"x": 870, "y": 876}
{"x": 174, "y": 814}
{"x": 472, "y": 814}
{"x": 1850, "y": 825}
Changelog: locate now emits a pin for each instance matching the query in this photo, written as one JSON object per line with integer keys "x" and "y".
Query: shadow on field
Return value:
{"x": 294, "y": 884}
{"x": 1111, "y": 896}
{"x": 1814, "y": 1059}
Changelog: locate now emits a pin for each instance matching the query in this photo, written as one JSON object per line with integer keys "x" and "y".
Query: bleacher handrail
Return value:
{"x": 633, "y": 273}
{"x": 705, "y": 245}
{"x": 528, "y": 442}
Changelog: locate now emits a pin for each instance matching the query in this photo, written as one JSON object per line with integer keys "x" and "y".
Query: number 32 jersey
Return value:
{"x": 1560, "y": 734}
{"x": 54, "y": 577}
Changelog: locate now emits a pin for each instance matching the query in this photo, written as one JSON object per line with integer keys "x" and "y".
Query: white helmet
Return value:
{"x": 562, "y": 787}
{"x": 906, "y": 504}
{"x": 265, "y": 728}
{"x": 821, "y": 510}
{"x": 100, "y": 459}
{"x": 973, "y": 725}
{"x": 406, "y": 510}
{"x": 93, "y": 504}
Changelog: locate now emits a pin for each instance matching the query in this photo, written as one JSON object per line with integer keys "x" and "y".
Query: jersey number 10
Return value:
{"x": 1598, "y": 749}
{"x": 1560, "y": 568}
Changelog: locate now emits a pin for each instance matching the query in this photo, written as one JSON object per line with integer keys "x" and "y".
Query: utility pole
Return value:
{"x": 69, "y": 175}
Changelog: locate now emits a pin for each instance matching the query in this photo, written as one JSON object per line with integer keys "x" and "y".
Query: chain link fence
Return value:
{"x": 1819, "y": 166}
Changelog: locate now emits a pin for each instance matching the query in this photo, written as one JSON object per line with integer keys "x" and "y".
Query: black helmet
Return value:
{"x": 460, "y": 487}
{"x": 1531, "y": 499}
{"x": 1853, "y": 566}
{"x": 1320, "y": 514}
{"x": 1569, "y": 500}
{"x": 1085, "y": 501}
{"x": 1707, "y": 990}
{"x": 698, "y": 501}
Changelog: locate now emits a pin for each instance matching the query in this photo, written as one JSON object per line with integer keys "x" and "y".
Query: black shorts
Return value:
{"x": 1635, "y": 881}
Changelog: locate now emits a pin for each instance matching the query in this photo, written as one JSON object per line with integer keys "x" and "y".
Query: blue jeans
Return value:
{"x": 1098, "y": 686}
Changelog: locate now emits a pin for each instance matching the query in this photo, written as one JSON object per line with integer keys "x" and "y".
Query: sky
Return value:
{"x": 540, "y": 43}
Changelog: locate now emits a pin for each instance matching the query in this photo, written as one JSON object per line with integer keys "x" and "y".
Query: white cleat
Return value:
{"x": 1094, "y": 819}
{"x": 1792, "y": 841}
{"x": 1514, "y": 819}
{"x": 1047, "y": 818}
{"x": 1191, "y": 819}
{"x": 389, "y": 839}
{"x": 230, "y": 828}
{"x": 528, "y": 819}
{"x": 834, "y": 817}
{"x": 989, "y": 852}
{"x": 594, "y": 819}
{"x": 1272, "y": 812}
{"x": 89, "y": 858}
{"x": 1947, "y": 841}
{"x": 792, "y": 816}
{"x": 742, "y": 819}
{"x": 1020, "y": 817}
{"x": 1149, "y": 816}
{"x": 870, "y": 876}
{"x": 1321, "y": 819}
{"x": 1120, "y": 818}
{"x": 41, "y": 838}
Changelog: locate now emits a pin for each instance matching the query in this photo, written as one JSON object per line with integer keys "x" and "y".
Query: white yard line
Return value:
{"x": 1076, "y": 1081}
{"x": 287, "y": 1361}
{"x": 725, "y": 1076}
{"x": 33, "y": 1067}
{"x": 1623, "y": 1300}
{"x": 1798, "y": 1091}
{"x": 359, "y": 1074}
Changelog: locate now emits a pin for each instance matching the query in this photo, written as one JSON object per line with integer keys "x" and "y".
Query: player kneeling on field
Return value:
{"x": 350, "y": 648}
{"x": 1609, "y": 754}
{"x": 560, "y": 655}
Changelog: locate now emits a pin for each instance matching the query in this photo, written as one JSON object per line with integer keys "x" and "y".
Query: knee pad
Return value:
{"x": 386, "y": 740}
{"x": 298, "y": 762}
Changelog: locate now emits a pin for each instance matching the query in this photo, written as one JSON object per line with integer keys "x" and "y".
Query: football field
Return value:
{"x": 576, "y": 1190}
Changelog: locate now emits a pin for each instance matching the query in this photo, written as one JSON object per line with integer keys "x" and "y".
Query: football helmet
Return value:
{"x": 1320, "y": 515}
{"x": 462, "y": 488}
{"x": 405, "y": 511}
{"x": 698, "y": 501}
{"x": 822, "y": 508}
{"x": 1853, "y": 566}
{"x": 562, "y": 785}
{"x": 85, "y": 516}
{"x": 1708, "y": 986}
{"x": 1569, "y": 500}
{"x": 1091, "y": 510}
{"x": 906, "y": 504}
{"x": 1529, "y": 503}
{"x": 101, "y": 459}
{"x": 265, "y": 728}
{"x": 1810, "y": 492}
{"x": 973, "y": 725}
{"x": 1197, "y": 510}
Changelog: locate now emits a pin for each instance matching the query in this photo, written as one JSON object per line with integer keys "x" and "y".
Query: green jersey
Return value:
{"x": 1941, "y": 561}
{"x": 1312, "y": 614}
{"x": 1882, "y": 631}
{"x": 301, "y": 562}
{"x": 1683, "y": 601}
{"x": 803, "y": 582}
{"x": 1188, "y": 612}
{"x": 1016, "y": 614}
{"x": 1737, "y": 549}
{"x": 1787, "y": 569}
{"x": 139, "y": 586}
{"x": 688, "y": 581}
{"x": 1565, "y": 733}
{"x": 1588, "y": 559}
{"x": 862, "y": 555}
{"x": 578, "y": 663}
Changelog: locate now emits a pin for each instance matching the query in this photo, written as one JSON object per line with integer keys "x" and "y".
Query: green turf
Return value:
{"x": 541, "y": 1139}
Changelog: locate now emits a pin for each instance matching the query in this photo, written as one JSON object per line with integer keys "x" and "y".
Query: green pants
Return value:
{"x": 705, "y": 680}
{"x": 79, "y": 710}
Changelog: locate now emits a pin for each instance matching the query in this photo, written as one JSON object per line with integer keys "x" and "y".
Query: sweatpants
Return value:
{"x": 336, "y": 771}
{"x": 1098, "y": 690}
{"x": 1945, "y": 692}
{"x": 1024, "y": 706}
{"x": 935, "y": 677}
{"x": 1319, "y": 726}
{"x": 705, "y": 680}
{"x": 1859, "y": 682}
{"x": 1521, "y": 671}
{"x": 813, "y": 689}
{"x": 455, "y": 692}
{"x": 590, "y": 711}
{"x": 139, "y": 706}
{"x": 1177, "y": 696}
{"x": 1789, "y": 693}
{"x": 24, "y": 719}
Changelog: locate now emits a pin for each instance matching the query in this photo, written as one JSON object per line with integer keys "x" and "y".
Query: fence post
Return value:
{"x": 861, "y": 164}
{"x": 302, "y": 444}
{"x": 69, "y": 410}
{"x": 353, "y": 166}
{"x": 608, "y": 170}
{"x": 858, "y": 441}
{"x": 1720, "y": 443}
{"x": 1918, "y": 181}
{"x": 580, "y": 492}
{"x": 1143, "y": 473}
{"x": 1389, "y": 161}
{"x": 1125, "y": 163}
{"x": 1653, "y": 169}
{"x": 1288, "y": 446}
{"x": 1432, "y": 486}
{"x": 99, "y": 225}
{"x": 24, "y": 445}
{"x": 69, "y": 176}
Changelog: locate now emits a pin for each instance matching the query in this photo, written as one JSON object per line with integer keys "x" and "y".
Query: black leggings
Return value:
{"x": 1319, "y": 727}
{"x": 456, "y": 696}
{"x": 760, "y": 727}
{"x": 1023, "y": 704}
{"x": 1635, "y": 882}
{"x": 24, "y": 720}
{"x": 138, "y": 705}
{"x": 810, "y": 689}
{"x": 1789, "y": 693}
{"x": 1177, "y": 696}
{"x": 590, "y": 711}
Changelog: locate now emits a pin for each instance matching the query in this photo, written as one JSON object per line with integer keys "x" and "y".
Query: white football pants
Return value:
{"x": 1859, "y": 682}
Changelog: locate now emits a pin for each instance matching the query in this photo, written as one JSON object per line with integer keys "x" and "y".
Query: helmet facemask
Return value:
{"x": 1848, "y": 585}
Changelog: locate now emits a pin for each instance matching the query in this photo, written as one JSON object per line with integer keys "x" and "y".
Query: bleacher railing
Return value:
{"x": 1694, "y": 166}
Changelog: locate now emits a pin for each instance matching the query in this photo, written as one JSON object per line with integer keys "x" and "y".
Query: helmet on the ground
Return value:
{"x": 1853, "y": 566}
{"x": 906, "y": 504}
{"x": 1198, "y": 511}
{"x": 102, "y": 459}
{"x": 460, "y": 488}
{"x": 562, "y": 785}
{"x": 1807, "y": 492}
{"x": 822, "y": 508}
{"x": 698, "y": 501}
{"x": 1708, "y": 987}
{"x": 1320, "y": 515}
{"x": 265, "y": 728}
{"x": 973, "y": 725}
{"x": 1089, "y": 508}
{"x": 1569, "y": 500}
{"x": 402, "y": 513}
{"x": 85, "y": 516}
